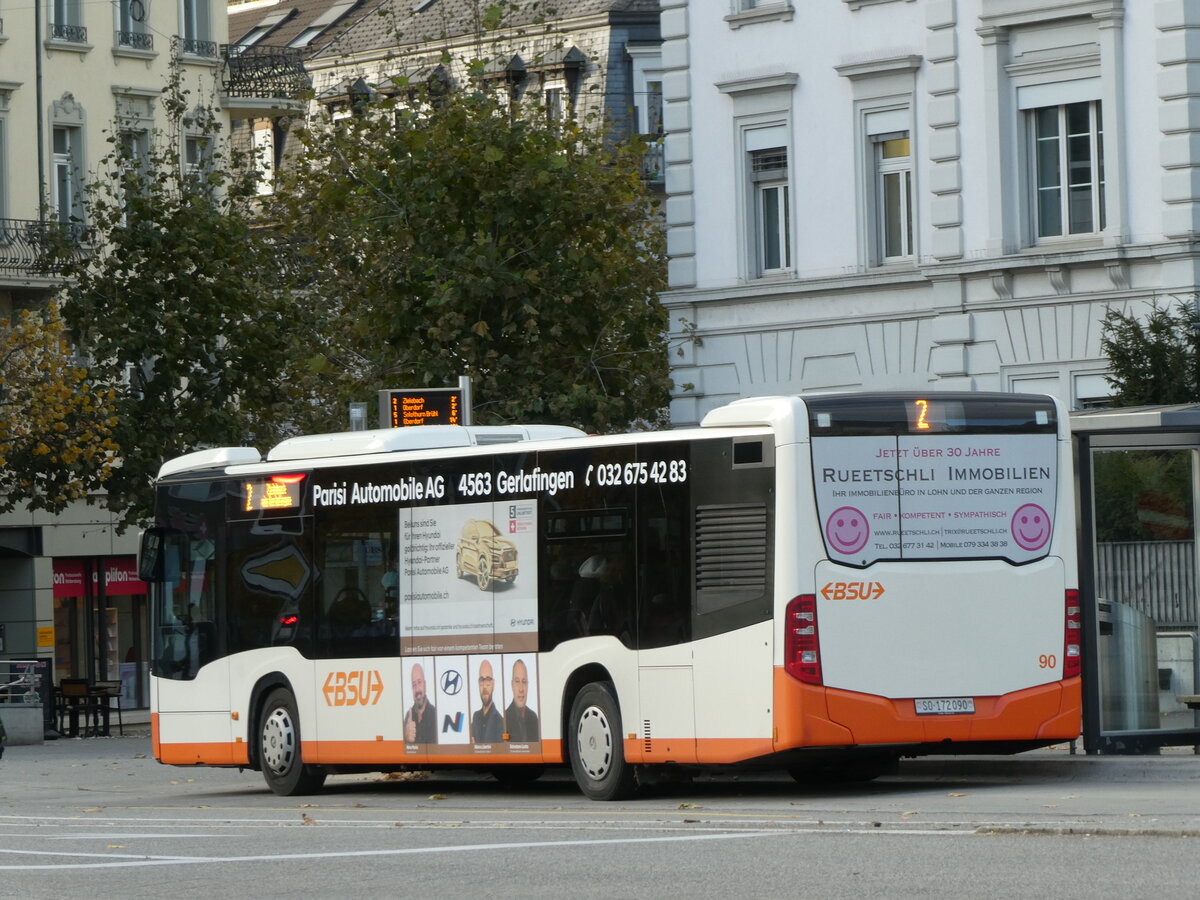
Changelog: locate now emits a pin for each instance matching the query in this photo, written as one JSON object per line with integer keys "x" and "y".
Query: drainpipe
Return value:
{"x": 41, "y": 113}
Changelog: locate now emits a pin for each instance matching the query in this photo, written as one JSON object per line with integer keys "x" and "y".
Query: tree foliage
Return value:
{"x": 1155, "y": 361}
{"x": 457, "y": 234}
{"x": 179, "y": 300}
{"x": 56, "y": 422}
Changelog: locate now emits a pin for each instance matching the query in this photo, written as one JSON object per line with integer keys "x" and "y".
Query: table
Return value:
{"x": 76, "y": 695}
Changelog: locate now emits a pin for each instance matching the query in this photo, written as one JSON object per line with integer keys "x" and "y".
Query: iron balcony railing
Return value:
{"x": 26, "y": 246}
{"x": 135, "y": 40}
{"x": 265, "y": 73}
{"x": 73, "y": 34}
{"x": 194, "y": 47}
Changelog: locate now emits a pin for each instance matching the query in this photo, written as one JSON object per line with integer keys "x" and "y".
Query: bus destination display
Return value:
{"x": 279, "y": 492}
{"x": 430, "y": 406}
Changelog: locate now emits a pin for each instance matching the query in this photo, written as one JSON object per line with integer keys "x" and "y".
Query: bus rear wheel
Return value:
{"x": 279, "y": 748}
{"x": 597, "y": 752}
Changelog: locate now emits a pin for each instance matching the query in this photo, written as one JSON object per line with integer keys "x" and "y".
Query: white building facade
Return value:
{"x": 896, "y": 194}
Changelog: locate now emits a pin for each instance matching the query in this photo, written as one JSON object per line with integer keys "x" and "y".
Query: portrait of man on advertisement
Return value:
{"x": 420, "y": 722}
{"x": 520, "y": 721}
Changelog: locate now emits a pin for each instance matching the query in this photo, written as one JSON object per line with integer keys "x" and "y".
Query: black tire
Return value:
{"x": 279, "y": 748}
{"x": 596, "y": 746}
{"x": 517, "y": 775}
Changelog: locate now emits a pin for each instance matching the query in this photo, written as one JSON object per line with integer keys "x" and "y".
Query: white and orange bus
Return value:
{"x": 821, "y": 584}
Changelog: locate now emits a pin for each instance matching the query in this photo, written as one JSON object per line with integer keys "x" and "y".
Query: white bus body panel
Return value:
{"x": 733, "y": 684}
{"x": 199, "y": 708}
{"x": 990, "y": 636}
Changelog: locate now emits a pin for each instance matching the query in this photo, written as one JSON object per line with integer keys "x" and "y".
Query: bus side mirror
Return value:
{"x": 151, "y": 556}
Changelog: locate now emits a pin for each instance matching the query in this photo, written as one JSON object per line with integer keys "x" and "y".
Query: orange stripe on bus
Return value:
{"x": 155, "y": 746}
{"x": 812, "y": 716}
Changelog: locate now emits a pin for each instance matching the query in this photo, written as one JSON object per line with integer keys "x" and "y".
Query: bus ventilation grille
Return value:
{"x": 646, "y": 742}
{"x": 732, "y": 553}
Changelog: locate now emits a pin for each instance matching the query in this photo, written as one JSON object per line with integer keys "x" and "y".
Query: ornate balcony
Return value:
{"x": 193, "y": 47}
{"x": 263, "y": 81}
{"x": 71, "y": 34}
{"x": 135, "y": 40}
{"x": 25, "y": 246}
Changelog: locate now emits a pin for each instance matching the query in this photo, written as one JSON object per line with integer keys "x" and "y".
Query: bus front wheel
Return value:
{"x": 279, "y": 748}
{"x": 597, "y": 751}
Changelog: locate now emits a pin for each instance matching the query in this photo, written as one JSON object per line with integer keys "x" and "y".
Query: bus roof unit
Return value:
{"x": 427, "y": 437}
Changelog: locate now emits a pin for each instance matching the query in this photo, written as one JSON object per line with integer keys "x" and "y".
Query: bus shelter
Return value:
{"x": 1138, "y": 490}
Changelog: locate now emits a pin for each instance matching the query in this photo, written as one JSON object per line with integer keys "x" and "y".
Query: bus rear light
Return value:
{"x": 801, "y": 641}
{"x": 288, "y": 620}
{"x": 1072, "y": 637}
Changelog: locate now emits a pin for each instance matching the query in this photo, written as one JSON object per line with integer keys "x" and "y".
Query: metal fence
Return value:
{"x": 20, "y": 682}
{"x": 1157, "y": 578}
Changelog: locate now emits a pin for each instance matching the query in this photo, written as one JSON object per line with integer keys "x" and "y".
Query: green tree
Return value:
{"x": 55, "y": 420}
{"x": 1155, "y": 361}
{"x": 180, "y": 300}
{"x": 458, "y": 234}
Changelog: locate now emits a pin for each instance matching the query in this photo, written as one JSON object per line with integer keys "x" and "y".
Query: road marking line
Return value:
{"x": 128, "y": 861}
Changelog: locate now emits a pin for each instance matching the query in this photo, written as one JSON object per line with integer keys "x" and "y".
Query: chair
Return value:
{"x": 107, "y": 691}
{"x": 78, "y": 698}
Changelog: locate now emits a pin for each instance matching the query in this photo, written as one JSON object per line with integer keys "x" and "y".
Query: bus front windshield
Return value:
{"x": 184, "y": 601}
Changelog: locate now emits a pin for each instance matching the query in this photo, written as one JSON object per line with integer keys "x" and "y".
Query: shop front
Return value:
{"x": 101, "y": 627}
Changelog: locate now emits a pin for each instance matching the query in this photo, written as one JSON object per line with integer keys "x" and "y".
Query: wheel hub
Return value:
{"x": 595, "y": 743}
{"x": 279, "y": 741}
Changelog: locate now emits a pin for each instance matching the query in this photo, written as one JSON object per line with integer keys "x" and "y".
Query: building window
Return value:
{"x": 66, "y": 18}
{"x": 264, "y": 156}
{"x": 195, "y": 29}
{"x": 197, "y": 157}
{"x": 132, "y": 30}
{"x": 747, "y": 12}
{"x": 262, "y": 29}
{"x": 554, "y": 99}
{"x": 66, "y": 186}
{"x": 893, "y": 194}
{"x": 134, "y": 158}
{"x": 772, "y": 209}
{"x": 321, "y": 23}
{"x": 135, "y": 151}
{"x": 1068, "y": 163}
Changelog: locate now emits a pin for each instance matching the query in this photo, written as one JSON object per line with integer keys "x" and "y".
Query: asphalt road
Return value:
{"x": 100, "y": 817}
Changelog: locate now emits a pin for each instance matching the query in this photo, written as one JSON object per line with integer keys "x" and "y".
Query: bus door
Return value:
{"x": 667, "y": 729}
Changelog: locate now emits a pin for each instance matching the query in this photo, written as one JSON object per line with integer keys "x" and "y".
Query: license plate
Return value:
{"x": 945, "y": 706}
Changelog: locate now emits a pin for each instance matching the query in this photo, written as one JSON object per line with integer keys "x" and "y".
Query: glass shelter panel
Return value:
{"x": 1145, "y": 569}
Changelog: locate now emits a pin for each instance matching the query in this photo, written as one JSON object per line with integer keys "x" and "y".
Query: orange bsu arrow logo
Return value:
{"x": 852, "y": 590}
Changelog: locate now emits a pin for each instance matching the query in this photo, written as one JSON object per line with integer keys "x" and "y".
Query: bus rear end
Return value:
{"x": 940, "y": 613}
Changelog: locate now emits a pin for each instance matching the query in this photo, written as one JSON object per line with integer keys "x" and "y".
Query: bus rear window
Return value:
{"x": 942, "y": 495}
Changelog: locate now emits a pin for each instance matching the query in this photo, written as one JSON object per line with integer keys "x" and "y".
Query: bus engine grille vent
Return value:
{"x": 646, "y": 742}
{"x": 732, "y": 554}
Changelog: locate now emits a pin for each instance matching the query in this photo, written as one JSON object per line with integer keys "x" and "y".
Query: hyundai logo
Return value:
{"x": 451, "y": 682}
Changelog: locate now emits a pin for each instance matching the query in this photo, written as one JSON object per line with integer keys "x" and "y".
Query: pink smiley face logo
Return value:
{"x": 1031, "y": 527}
{"x": 847, "y": 530}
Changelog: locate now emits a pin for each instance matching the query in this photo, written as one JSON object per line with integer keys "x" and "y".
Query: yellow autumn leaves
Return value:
{"x": 55, "y": 422}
